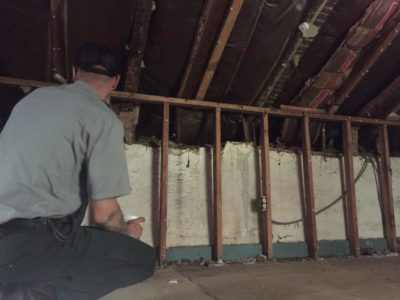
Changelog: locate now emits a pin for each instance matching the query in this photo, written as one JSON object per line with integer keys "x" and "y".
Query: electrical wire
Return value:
{"x": 359, "y": 175}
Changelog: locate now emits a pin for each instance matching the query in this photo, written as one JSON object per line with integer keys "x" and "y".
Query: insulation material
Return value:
{"x": 382, "y": 73}
{"x": 315, "y": 18}
{"x": 343, "y": 16}
{"x": 385, "y": 104}
{"x": 342, "y": 62}
{"x": 276, "y": 25}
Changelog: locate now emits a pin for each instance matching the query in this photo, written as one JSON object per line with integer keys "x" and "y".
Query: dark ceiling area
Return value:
{"x": 338, "y": 56}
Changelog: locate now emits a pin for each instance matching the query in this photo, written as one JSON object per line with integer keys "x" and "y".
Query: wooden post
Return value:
{"x": 389, "y": 225}
{"x": 164, "y": 184}
{"x": 217, "y": 187}
{"x": 351, "y": 208}
{"x": 266, "y": 189}
{"x": 129, "y": 112}
{"x": 219, "y": 48}
{"x": 310, "y": 222}
{"x": 58, "y": 10}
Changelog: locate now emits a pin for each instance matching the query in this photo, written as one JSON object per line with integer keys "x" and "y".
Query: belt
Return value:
{"x": 19, "y": 224}
{"x": 61, "y": 228}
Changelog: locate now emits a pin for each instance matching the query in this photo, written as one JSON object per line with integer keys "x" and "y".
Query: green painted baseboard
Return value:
{"x": 280, "y": 250}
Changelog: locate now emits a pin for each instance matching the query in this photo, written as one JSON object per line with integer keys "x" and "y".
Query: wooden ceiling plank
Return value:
{"x": 219, "y": 47}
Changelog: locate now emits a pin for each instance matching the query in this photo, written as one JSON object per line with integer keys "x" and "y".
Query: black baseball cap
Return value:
{"x": 95, "y": 58}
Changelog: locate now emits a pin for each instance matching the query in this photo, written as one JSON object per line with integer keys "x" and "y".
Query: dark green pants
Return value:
{"x": 87, "y": 265}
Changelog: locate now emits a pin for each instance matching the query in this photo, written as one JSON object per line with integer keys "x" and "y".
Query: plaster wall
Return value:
{"x": 190, "y": 195}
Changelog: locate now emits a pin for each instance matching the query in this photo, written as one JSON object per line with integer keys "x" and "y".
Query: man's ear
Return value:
{"x": 115, "y": 81}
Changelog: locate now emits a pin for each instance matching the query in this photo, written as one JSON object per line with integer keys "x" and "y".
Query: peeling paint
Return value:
{"x": 190, "y": 195}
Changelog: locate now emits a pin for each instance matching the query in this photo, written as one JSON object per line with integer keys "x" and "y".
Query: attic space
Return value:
{"x": 337, "y": 56}
{"x": 253, "y": 128}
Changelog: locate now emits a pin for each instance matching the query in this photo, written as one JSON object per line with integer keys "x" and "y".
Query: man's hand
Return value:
{"x": 107, "y": 214}
{"x": 134, "y": 228}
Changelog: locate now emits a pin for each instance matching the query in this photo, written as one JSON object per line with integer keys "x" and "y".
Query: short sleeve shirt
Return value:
{"x": 60, "y": 146}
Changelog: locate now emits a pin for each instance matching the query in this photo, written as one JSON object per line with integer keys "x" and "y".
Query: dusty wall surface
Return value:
{"x": 190, "y": 195}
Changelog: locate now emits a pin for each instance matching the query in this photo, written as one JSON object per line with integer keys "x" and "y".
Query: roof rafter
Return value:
{"x": 216, "y": 55}
{"x": 203, "y": 23}
{"x": 373, "y": 58}
{"x": 387, "y": 102}
{"x": 336, "y": 70}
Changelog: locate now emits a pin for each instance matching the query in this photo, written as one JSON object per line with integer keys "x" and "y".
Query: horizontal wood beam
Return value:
{"x": 152, "y": 99}
{"x": 302, "y": 109}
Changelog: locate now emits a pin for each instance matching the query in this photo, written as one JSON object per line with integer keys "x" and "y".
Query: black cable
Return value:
{"x": 360, "y": 173}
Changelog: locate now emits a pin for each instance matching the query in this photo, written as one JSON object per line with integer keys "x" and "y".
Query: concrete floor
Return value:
{"x": 344, "y": 278}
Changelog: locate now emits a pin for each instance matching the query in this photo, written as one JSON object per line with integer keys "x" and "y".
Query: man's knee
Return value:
{"x": 147, "y": 258}
{"x": 140, "y": 258}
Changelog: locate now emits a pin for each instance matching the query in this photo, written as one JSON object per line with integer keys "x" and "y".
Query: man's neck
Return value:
{"x": 97, "y": 85}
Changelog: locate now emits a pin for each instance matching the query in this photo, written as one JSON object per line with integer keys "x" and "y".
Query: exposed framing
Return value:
{"x": 309, "y": 205}
{"x": 164, "y": 184}
{"x": 389, "y": 225}
{"x": 351, "y": 207}
{"x": 388, "y": 215}
{"x": 217, "y": 186}
{"x": 266, "y": 188}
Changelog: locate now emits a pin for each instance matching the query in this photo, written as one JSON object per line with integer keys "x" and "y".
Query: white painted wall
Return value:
{"x": 190, "y": 195}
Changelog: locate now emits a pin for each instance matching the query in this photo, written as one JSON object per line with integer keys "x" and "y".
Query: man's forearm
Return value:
{"x": 114, "y": 222}
{"x": 107, "y": 214}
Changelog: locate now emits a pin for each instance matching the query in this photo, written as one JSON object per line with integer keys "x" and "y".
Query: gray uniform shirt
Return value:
{"x": 60, "y": 145}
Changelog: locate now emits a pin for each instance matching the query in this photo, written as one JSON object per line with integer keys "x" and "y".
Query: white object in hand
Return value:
{"x": 128, "y": 218}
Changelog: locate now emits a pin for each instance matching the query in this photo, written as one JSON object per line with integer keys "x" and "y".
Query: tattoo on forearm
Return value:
{"x": 115, "y": 222}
